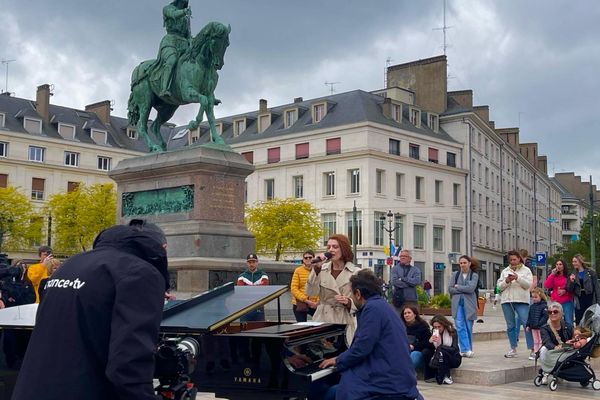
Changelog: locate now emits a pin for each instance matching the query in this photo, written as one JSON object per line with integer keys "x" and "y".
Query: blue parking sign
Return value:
{"x": 540, "y": 258}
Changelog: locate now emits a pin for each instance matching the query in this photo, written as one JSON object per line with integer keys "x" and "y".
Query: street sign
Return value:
{"x": 389, "y": 261}
{"x": 540, "y": 258}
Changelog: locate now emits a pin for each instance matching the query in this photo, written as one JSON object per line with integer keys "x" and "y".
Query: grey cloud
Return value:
{"x": 536, "y": 57}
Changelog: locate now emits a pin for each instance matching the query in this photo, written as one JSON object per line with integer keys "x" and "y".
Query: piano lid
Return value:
{"x": 19, "y": 316}
{"x": 218, "y": 307}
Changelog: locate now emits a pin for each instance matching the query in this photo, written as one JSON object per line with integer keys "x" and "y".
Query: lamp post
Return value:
{"x": 390, "y": 216}
{"x": 550, "y": 220}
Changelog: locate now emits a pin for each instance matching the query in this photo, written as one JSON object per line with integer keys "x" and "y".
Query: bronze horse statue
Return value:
{"x": 194, "y": 81}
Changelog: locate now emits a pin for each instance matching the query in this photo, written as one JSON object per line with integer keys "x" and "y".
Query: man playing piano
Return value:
{"x": 377, "y": 365}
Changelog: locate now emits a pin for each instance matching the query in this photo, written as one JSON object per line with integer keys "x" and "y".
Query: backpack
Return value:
{"x": 477, "y": 287}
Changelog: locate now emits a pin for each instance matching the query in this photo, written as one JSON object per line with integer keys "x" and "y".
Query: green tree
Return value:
{"x": 20, "y": 225}
{"x": 78, "y": 216}
{"x": 284, "y": 225}
{"x": 581, "y": 245}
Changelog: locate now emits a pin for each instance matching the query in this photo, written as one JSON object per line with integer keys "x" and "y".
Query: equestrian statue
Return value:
{"x": 184, "y": 72}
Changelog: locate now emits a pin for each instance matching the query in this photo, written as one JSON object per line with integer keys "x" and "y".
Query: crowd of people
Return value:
{"x": 328, "y": 287}
{"x": 22, "y": 284}
{"x": 524, "y": 304}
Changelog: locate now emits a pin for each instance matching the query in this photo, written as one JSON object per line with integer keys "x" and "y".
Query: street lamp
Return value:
{"x": 550, "y": 220}
{"x": 390, "y": 217}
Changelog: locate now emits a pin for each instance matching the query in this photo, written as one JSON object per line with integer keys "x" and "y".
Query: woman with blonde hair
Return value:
{"x": 583, "y": 283}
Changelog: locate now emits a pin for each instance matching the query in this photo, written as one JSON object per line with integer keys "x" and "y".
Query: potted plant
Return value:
{"x": 439, "y": 304}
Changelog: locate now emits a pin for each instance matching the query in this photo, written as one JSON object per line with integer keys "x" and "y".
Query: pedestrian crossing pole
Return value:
{"x": 592, "y": 230}
{"x": 354, "y": 232}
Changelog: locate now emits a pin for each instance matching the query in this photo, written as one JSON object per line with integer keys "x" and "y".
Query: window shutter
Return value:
{"x": 334, "y": 146}
{"x": 72, "y": 186}
{"x": 301, "y": 150}
{"x": 433, "y": 155}
{"x": 249, "y": 156}
{"x": 273, "y": 155}
{"x": 37, "y": 184}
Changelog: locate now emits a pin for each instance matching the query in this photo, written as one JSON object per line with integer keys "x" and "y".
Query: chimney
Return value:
{"x": 463, "y": 97}
{"x": 483, "y": 112}
{"x": 542, "y": 164}
{"x": 42, "y": 101}
{"x": 101, "y": 109}
{"x": 387, "y": 107}
{"x": 492, "y": 124}
{"x": 298, "y": 100}
{"x": 511, "y": 136}
{"x": 427, "y": 78}
{"x": 262, "y": 106}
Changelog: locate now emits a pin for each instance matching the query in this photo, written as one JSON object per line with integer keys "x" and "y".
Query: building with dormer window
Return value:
{"x": 47, "y": 149}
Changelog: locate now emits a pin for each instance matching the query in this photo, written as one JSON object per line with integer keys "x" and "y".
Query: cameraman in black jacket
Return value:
{"x": 97, "y": 328}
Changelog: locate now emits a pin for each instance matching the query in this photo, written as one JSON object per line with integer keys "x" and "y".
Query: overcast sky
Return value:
{"x": 535, "y": 63}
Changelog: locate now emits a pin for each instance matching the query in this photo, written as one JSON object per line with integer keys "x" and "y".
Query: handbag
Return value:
{"x": 301, "y": 306}
{"x": 437, "y": 358}
{"x": 445, "y": 355}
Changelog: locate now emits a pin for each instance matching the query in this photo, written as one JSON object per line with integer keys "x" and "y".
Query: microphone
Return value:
{"x": 317, "y": 260}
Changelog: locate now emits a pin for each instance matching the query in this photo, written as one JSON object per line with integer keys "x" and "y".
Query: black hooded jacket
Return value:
{"x": 97, "y": 327}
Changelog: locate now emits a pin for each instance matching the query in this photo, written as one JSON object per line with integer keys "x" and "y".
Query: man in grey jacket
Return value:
{"x": 405, "y": 278}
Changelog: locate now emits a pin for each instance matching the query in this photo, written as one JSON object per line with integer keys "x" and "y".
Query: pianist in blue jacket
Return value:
{"x": 377, "y": 365}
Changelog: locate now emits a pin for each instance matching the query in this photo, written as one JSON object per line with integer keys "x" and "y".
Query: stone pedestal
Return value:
{"x": 196, "y": 196}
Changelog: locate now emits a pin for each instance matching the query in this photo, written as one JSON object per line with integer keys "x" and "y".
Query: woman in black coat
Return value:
{"x": 419, "y": 334}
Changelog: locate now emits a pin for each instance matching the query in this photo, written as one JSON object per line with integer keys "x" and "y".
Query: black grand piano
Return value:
{"x": 253, "y": 360}
{"x": 237, "y": 360}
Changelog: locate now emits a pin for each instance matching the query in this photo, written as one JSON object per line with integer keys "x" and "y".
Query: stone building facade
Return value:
{"x": 47, "y": 149}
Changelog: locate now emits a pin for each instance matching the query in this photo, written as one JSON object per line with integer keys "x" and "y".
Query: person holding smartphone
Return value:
{"x": 557, "y": 282}
{"x": 514, "y": 283}
{"x": 37, "y": 272}
{"x": 446, "y": 355}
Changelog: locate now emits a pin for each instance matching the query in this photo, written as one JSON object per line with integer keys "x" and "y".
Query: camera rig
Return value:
{"x": 175, "y": 361}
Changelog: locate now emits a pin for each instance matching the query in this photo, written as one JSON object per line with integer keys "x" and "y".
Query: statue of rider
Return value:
{"x": 176, "y": 17}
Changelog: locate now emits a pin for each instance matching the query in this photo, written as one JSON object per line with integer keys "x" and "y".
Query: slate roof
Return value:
{"x": 343, "y": 109}
{"x": 15, "y": 109}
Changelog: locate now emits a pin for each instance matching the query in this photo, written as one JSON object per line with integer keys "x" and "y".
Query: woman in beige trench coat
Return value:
{"x": 331, "y": 282}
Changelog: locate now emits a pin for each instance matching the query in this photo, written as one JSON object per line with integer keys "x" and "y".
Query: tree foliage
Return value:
{"x": 20, "y": 225}
{"x": 581, "y": 245}
{"x": 78, "y": 216}
{"x": 284, "y": 225}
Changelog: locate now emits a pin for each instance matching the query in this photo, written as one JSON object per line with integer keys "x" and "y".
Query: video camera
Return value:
{"x": 4, "y": 260}
{"x": 175, "y": 361}
{"x": 6, "y": 270}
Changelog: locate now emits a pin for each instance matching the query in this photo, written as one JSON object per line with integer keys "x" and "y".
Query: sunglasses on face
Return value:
{"x": 553, "y": 312}
{"x": 308, "y": 257}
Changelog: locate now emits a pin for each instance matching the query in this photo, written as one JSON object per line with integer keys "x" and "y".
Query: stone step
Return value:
{"x": 489, "y": 367}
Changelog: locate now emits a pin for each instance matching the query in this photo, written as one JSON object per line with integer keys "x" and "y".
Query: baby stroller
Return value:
{"x": 571, "y": 365}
